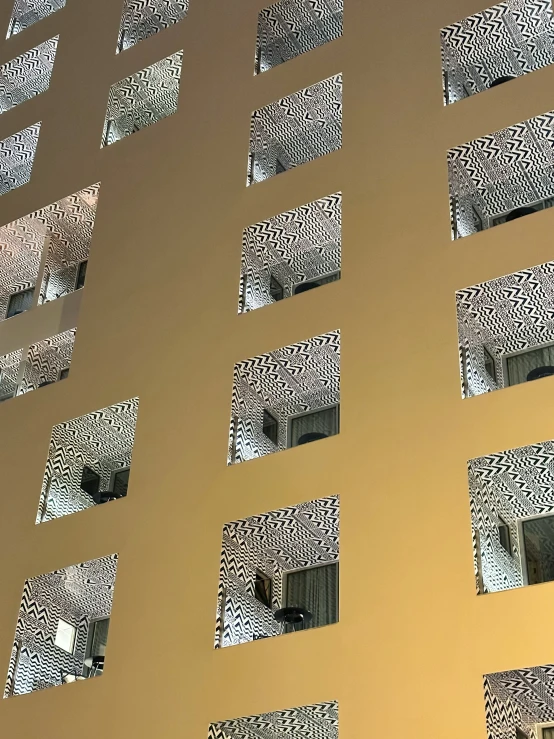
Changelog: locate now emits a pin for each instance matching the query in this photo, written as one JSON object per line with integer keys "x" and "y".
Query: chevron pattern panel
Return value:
{"x": 494, "y": 174}
{"x": 102, "y": 440}
{"x": 317, "y": 721}
{"x": 27, "y": 75}
{"x": 65, "y": 228}
{"x": 296, "y": 129}
{"x": 46, "y": 359}
{"x": 76, "y": 594}
{"x": 292, "y": 27}
{"x": 508, "y": 40}
{"x": 295, "y": 379}
{"x": 513, "y": 485}
{"x": 27, "y": 12}
{"x": 504, "y": 315}
{"x": 143, "y": 18}
{"x": 143, "y": 98}
{"x": 519, "y": 699}
{"x": 17, "y": 154}
{"x": 298, "y": 245}
{"x": 274, "y": 542}
{"x": 9, "y": 373}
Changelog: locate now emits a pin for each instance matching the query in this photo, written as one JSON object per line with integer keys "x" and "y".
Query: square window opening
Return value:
{"x": 263, "y": 589}
{"x": 65, "y": 636}
{"x": 313, "y": 593}
{"x": 313, "y": 426}
{"x": 270, "y": 426}
{"x": 20, "y": 301}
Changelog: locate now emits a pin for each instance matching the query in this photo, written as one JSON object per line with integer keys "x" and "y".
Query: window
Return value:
{"x": 316, "y": 589}
{"x": 96, "y": 646}
{"x": 547, "y": 732}
{"x": 20, "y": 302}
{"x": 530, "y": 365}
{"x": 314, "y": 426}
{"x": 538, "y": 538}
{"x": 520, "y": 734}
{"x": 490, "y": 364}
{"x": 90, "y": 481}
{"x": 120, "y": 482}
{"x": 504, "y": 535}
{"x": 270, "y": 427}
{"x": 263, "y": 589}
{"x": 81, "y": 274}
{"x": 310, "y": 284}
{"x": 64, "y": 373}
{"x": 65, "y": 636}
{"x": 276, "y": 289}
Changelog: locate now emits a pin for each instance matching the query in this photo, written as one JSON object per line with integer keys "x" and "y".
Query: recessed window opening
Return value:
{"x": 20, "y": 302}
{"x": 141, "y": 19}
{"x": 65, "y": 636}
{"x": 27, "y": 13}
{"x": 97, "y": 640}
{"x": 270, "y": 427}
{"x": 263, "y": 589}
{"x": 546, "y": 731}
{"x": 288, "y": 29}
{"x": 291, "y": 252}
{"x": 313, "y": 426}
{"x": 317, "y": 721}
{"x": 537, "y": 535}
{"x": 504, "y": 535}
{"x": 45, "y": 360}
{"x": 64, "y": 373}
{"x": 81, "y": 274}
{"x": 490, "y": 364}
{"x": 520, "y": 734}
{"x": 17, "y": 156}
{"x": 27, "y": 75}
{"x": 295, "y": 130}
{"x": 471, "y": 64}
{"x": 311, "y": 597}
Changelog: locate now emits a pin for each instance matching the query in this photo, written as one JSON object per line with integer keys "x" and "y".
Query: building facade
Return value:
{"x": 263, "y": 269}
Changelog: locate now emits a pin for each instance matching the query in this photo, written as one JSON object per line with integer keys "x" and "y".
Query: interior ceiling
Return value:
{"x": 509, "y": 313}
{"x": 27, "y": 75}
{"x": 27, "y": 12}
{"x": 17, "y": 154}
{"x": 297, "y": 128}
{"x": 143, "y": 18}
{"x": 143, "y": 98}
{"x": 508, "y": 39}
{"x": 316, "y": 721}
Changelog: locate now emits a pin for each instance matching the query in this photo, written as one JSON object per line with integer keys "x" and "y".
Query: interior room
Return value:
{"x": 17, "y": 155}
{"x": 141, "y": 19}
{"x": 27, "y": 75}
{"x": 26, "y": 13}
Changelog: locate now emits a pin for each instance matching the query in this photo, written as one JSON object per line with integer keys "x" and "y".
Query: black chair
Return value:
{"x": 293, "y": 616}
{"x": 311, "y": 436}
{"x": 305, "y": 286}
{"x": 539, "y": 372}
{"x": 519, "y": 213}
{"x": 501, "y": 80}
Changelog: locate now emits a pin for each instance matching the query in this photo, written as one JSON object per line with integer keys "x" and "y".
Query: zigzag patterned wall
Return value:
{"x": 27, "y": 12}
{"x": 509, "y": 39}
{"x": 17, "y": 154}
{"x": 298, "y": 536}
{"x": 297, "y": 378}
{"x": 27, "y": 75}
{"x": 504, "y": 315}
{"x": 292, "y": 27}
{"x": 143, "y": 98}
{"x": 9, "y": 373}
{"x": 494, "y": 174}
{"x": 317, "y": 721}
{"x": 76, "y": 594}
{"x": 143, "y": 18}
{"x": 514, "y": 484}
{"x": 66, "y": 226}
{"x": 294, "y": 246}
{"x": 296, "y": 129}
{"x": 102, "y": 440}
{"x": 519, "y": 699}
{"x": 46, "y": 359}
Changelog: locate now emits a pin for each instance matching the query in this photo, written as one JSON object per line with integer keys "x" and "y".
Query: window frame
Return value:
{"x": 13, "y": 295}
{"x": 291, "y": 418}
{"x": 503, "y": 525}
{"x": 522, "y": 550}
{"x": 260, "y": 575}
{"x": 284, "y": 584}
{"x": 319, "y": 277}
{"x": 505, "y": 358}
{"x": 275, "y": 425}
{"x": 493, "y": 374}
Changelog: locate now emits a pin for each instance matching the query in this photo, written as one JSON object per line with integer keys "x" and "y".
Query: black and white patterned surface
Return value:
{"x": 143, "y": 18}
{"x": 504, "y": 315}
{"x": 296, "y": 129}
{"x": 297, "y": 378}
{"x": 65, "y": 229}
{"x": 102, "y": 440}
{"x": 509, "y": 39}
{"x": 294, "y": 246}
{"x": 46, "y": 359}
{"x": 274, "y": 542}
{"x": 292, "y": 27}
{"x": 494, "y": 174}
{"x": 519, "y": 699}
{"x": 143, "y": 98}
{"x": 76, "y": 594}
{"x": 17, "y": 154}
{"x": 27, "y": 12}
{"x": 316, "y": 721}
{"x": 27, "y": 75}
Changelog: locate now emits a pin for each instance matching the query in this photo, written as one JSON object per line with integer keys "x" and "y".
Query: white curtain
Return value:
{"x": 324, "y": 421}
{"x": 520, "y": 365}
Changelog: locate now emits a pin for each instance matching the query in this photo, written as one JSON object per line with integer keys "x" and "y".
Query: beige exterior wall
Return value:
{"x": 158, "y": 320}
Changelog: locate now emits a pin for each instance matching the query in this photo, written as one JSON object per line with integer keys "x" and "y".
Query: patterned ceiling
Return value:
{"x": 27, "y": 12}
{"x": 514, "y": 484}
{"x": 294, "y": 246}
{"x": 519, "y": 699}
{"x": 504, "y": 315}
{"x": 75, "y": 594}
{"x": 509, "y": 39}
{"x": 298, "y": 536}
{"x": 297, "y": 378}
{"x": 143, "y": 18}
{"x": 102, "y": 440}
{"x": 143, "y": 98}
{"x": 17, "y": 154}
{"x": 296, "y": 129}
{"x": 292, "y": 27}
{"x": 66, "y": 226}
{"x": 507, "y": 169}
{"x": 27, "y": 75}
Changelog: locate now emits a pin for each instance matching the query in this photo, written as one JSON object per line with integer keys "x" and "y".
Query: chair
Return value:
{"x": 539, "y": 372}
